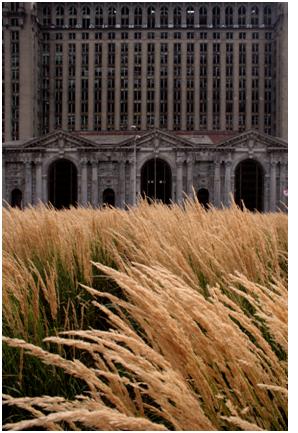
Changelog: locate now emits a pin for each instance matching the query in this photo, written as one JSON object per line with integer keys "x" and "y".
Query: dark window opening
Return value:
{"x": 63, "y": 184}
{"x": 203, "y": 197}
{"x": 16, "y": 198}
{"x": 249, "y": 185}
{"x": 108, "y": 197}
{"x": 156, "y": 180}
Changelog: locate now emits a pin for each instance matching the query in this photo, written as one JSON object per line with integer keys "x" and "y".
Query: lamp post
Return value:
{"x": 134, "y": 186}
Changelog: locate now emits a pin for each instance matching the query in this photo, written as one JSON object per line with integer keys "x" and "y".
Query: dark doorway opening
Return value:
{"x": 108, "y": 197}
{"x": 16, "y": 198}
{"x": 156, "y": 180}
{"x": 249, "y": 185}
{"x": 203, "y": 197}
{"x": 63, "y": 184}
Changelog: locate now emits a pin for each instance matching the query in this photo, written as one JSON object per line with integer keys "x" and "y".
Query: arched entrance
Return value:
{"x": 203, "y": 197}
{"x": 156, "y": 180}
{"x": 108, "y": 197}
{"x": 249, "y": 185}
{"x": 16, "y": 198}
{"x": 63, "y": 184}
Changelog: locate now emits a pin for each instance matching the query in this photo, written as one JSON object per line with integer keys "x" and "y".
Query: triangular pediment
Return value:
{"x": 156, "y": 138}
{"x": 253, "y": 139}
{"x": 61, "y": 140}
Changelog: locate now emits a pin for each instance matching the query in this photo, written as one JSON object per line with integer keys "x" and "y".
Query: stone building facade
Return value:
{"x": 117, "y": 100}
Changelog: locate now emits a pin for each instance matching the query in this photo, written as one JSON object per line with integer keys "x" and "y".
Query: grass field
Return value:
{"x": 155, "y": 318}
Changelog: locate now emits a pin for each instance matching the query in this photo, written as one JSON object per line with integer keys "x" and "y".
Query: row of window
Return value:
{"x": 153, "y": 16}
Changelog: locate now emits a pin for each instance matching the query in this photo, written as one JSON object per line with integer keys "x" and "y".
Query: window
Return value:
{"x": 151, "y": 17}
{"x": 254, "y": 16}
{"x": 267, "y": 16}
{"x": 164, "y": 16}
{"x": 242, "y": 16}
{"x": 85, "y": 17}
{"x": 138, "y": 17}
{"x": 177, "y": 17}
{"x": 60, "y": 16}
{"x": 124, "y": 16}
{"x": 98, "y": 17}
{"x": 72, "y": 12}
{"x": 229, "y": 16}
{"x": 112, "y": 17}
{"x": 190, "y": 16}
{"x": 203, "y": 16}
{"x": 216, "y": 16}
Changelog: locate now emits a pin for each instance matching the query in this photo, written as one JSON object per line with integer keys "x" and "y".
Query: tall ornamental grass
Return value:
{"x": 154, "y": 318}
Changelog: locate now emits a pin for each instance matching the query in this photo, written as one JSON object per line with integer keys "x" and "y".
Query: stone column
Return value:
{"x": 94, "y": 183}
{"x": 144, "y": 87}
{"x": 170, "y": 83}
{"x": 28, "y": 183}
{"x": 273, "y": 186}
{"x": 52, "y": 86}
{"x": 222, "y": 87}
{"x": 122, "y": 182}
{"x": 3, "y": 180}
{"x": 267, "y": 193}
{"x": 228, "y": 188}
{"x": 91, "y": 86}
{"x": 84, "y": 182}
{"x": 45, "y": 188}
{"x": 132, "y": 180}
{"x": 38, "y": 174}
{"x": 179, "y": 180}
{"x": 197, "y": 86}
{"x": 157, "y": 84}
{"x": 283, "y": 183}
{"x": 183, "y": 85}
{"x": 190, "y": 176}
{"x": 217, "y": 183}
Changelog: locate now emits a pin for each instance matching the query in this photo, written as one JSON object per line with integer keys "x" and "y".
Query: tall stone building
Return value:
{"x": 103, "y": 102}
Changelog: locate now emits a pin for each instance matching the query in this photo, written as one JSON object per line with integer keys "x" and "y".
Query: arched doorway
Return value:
{"x": 249, "y": 185}
{"x": 63, "y": 184}
{"x": 203, "y": 197}
{"x": 108, "y": 197}
{"x": 156, "y": 180}
{"x": 16, "y": 198}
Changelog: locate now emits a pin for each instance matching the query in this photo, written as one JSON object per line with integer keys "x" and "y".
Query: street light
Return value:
{"x": 134, "y": 189}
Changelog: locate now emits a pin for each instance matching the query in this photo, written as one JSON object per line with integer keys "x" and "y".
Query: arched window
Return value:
{"x": 177, "y": 17}
{"x": 16, "y": 198}
{"x": 254, "y": 16}
{"x": 249, "y": 185}
{"x": 46, "y": 19}
{"x": 98, "y": 17}
{"x": 112, "y": 17}
{"x": 216, "y": 16}
{"x": 138, "y": 15}
{"x": 151, "y": 17}
{"x": 203, "y": 197}
{"x": 85, "y": 17}
{"x": 242, "y": 16}
{"x": 203, "y": 16}
{"x": 108, "y": 197}
{"x": 164, "y": 16}
{"x": 229, "y": 16}
{"x": 267, "y": 16}
{"x": 60, "y": 16}
{"x": 124, "y": 16}
{"x": 190, "y": 16}
{"x": 72, "y": 16}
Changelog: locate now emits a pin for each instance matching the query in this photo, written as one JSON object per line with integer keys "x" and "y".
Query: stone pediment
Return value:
{"x": 252, "y": 140}
{"x": 59, "y": 140}
{"x": 156, "y": 139}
